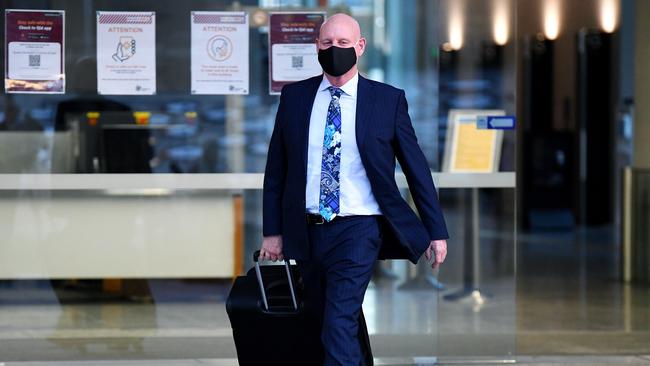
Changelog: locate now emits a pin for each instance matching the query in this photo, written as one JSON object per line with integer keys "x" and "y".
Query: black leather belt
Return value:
{"x": 316, "y": 219}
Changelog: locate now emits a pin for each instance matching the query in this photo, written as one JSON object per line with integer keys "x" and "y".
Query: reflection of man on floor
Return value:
{"x": 134, "y": 159}
{"x": 330, "y": 197}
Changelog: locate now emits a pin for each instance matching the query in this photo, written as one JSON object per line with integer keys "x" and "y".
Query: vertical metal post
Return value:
{"x": 476, "y": 241}
{"x": 472, "y": 259}
{"x": 627, "y": 214}
{"x": 235, "y": 131}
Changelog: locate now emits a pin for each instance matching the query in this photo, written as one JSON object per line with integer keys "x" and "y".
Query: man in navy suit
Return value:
{"x": 330, "y": 197}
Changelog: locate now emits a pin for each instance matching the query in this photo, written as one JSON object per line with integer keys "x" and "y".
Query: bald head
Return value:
{"x": 341, "y": 23}
{"x": 343, "y": 31}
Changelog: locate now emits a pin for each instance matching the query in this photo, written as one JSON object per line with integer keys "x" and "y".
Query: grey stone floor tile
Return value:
{"x": 582, "y": 360}
{"x": 180, "y": 362}
{"x": 551, "y": 310}
{"x": 388, "y": 361}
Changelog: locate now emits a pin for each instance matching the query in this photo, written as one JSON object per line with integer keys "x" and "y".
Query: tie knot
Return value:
{"x": 335, "y": 92}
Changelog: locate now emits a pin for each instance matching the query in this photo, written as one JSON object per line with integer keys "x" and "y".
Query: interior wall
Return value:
{"x": 642, "y": 86}
{"x": 573, "y": 15}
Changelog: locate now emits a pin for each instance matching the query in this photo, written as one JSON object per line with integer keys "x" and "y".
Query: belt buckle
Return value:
{"x": 321, "y": 222}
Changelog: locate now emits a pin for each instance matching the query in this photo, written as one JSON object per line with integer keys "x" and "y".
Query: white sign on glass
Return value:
{"x": 219, "y": 52}
{"x": 126, "y": 52}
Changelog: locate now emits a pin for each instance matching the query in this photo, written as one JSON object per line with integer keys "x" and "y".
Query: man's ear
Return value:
{"x": 362, "y": 46}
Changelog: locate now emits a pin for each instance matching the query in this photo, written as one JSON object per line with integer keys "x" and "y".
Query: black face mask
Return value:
{"x": 336, "y": 61}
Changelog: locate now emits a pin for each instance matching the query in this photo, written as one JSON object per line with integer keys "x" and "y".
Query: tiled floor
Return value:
{"x": 402, "y": 323}
{"x": 565, "y": 301}
{"x": 523, "y": 360}
{"x": 570, "y": 300}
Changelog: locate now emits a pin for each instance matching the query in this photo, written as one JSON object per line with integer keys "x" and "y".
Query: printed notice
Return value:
{"x": 126, "y": 52}
{"x": 34, "y": 57}
{"x": 219, "y": 52}
{"x": 470, "y": 149}
{"x": 293, "y": 54}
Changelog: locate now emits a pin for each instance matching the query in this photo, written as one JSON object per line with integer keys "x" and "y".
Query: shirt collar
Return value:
{"x": 349, "y": 88}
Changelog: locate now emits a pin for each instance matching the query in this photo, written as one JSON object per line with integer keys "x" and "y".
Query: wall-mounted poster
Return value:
{"x": 219, "y": 52}
{"x": 34, "y": 52}
{"x": 293, "y": 54}
{"x": 126, "y": 52}
{"x": 469, "y": 149}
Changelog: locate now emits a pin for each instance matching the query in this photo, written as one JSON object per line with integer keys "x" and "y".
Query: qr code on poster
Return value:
{"x": 296, "y": 62}
{"x": 34, "y": 60}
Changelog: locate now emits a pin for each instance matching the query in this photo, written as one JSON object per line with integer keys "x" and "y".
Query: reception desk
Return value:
{"x": 138, "y": 225}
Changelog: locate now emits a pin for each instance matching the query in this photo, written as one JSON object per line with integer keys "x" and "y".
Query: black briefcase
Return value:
{"x": 269, "y": 323}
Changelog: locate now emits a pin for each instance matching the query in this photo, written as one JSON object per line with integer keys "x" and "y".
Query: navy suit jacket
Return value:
{"x": 383, "y": 132}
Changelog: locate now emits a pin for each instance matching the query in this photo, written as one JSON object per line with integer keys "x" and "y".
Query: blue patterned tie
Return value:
{"x": 331, "y": 163}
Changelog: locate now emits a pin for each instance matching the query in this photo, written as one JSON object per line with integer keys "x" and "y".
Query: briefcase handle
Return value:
{"x": 260, "y": 281}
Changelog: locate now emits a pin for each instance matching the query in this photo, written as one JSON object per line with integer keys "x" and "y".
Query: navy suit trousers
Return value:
{"x": 342, "y": 257}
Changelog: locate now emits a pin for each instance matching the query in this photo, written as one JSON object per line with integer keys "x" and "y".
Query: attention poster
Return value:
{"x": 219, "y": 52}
{"x": 126, "y": 53}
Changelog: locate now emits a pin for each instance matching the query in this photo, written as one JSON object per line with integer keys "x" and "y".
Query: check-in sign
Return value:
{"x": 495, "y": 122}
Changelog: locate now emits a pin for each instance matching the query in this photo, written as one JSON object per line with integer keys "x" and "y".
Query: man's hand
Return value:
{"x": 271, "y": 248}
{"x": 437, "y": 248}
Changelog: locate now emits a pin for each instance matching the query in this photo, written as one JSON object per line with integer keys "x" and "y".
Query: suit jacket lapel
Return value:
{"x": 364, "y": 107}
{"x": 304, "y": 115}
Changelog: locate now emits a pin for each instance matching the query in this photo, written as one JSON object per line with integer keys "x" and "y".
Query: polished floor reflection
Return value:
{"x": 522, "y": 360}
{"x": 570, "y": 299}
{"x": 568, "y": 302}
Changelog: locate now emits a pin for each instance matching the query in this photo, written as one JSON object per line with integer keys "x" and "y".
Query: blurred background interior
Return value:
{"x": 119, "y": 239}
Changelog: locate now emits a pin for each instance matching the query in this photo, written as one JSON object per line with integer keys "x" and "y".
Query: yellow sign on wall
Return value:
{"x": 469, "y": 149}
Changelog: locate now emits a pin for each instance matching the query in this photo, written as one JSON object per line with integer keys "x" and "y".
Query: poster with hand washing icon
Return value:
{"x": 219, "y": 52}
{"x": 126, "y": 53}
{"x": 125, "y": 49}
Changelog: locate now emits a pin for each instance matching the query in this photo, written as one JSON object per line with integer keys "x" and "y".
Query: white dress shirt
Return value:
{"x": 356, "y": 196}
